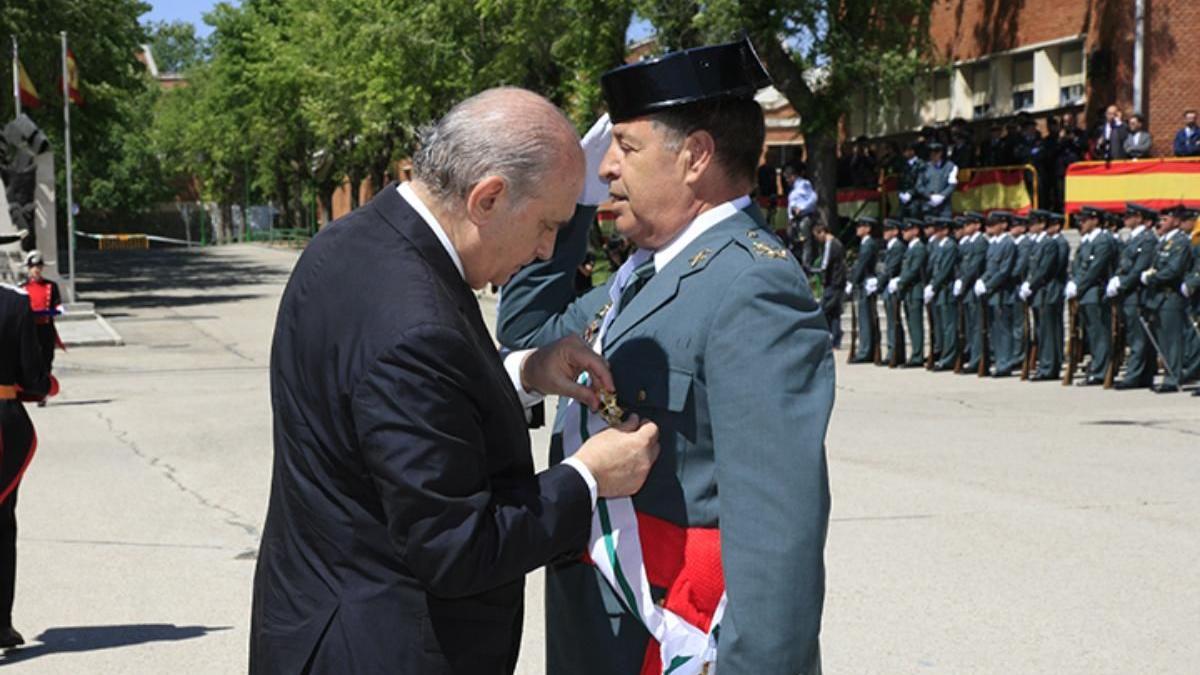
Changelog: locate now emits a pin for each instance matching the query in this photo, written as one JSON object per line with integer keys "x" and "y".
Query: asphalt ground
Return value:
{"x": 978, "y": 526}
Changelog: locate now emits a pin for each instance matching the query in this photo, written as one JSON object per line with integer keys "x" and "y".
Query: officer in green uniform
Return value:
{"x": 995, "y": 288}
{"x": 1191, "y": 358}
{"x": 1164, "y": 283}
{"x": 889, "y": 279}
{"x": 937, "y": 182}
{"x": 1054, "y": 292}
{"x": 1093, "y": 265}
{"x": 1018, "y": 229}
{"x": 972, "y": 256}
{"x": 910, "y": 286}
{"x": 910, "y": 174}
{"x": 939, "y": 291}
{"x": 1038, "y": 271}
{"x": 1126, "y": 293}
{"x": 713, "y": 334}
{"x": 863, "y": 286}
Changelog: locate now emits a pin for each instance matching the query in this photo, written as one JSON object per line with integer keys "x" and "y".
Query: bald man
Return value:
{"x": 404, "y": 508}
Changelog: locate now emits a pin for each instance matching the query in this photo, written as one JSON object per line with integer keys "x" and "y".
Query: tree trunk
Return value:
{"x": 325, "y": 190}
{"x": 355, "y": 185}
{"x": 822, "y": 167}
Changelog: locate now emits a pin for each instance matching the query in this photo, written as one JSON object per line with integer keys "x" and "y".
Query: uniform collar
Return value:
{"x": 703, "y": 223}
{"x": 1137, "y": 231}
{"x": 415, "y": 202}
{"x": 893, "y": 242}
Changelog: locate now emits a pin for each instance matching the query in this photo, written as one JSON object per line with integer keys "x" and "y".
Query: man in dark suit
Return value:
{"x": 833, "y": 277}
{"x": 1110, "y": 135}
{"x": 404, "y": 509}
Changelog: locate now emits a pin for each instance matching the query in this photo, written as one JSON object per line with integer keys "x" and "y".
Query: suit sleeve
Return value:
{"x": 32, "y": 375}
{"x": 538, "y": 305}
{"x": 461, "y": 530}
{"x": 771, "y": 469}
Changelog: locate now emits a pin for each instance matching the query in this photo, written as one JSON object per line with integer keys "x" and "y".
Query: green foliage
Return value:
{"x": 175, "y": 46}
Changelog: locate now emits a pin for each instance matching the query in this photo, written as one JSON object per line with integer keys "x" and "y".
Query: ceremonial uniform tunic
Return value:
{"x": 1093, "y": 267}
{"x": 1041, "y": 276}
{"x": 45, "y": 301}
{"x": 1025, "y": 245}
{"x": 1191, "y": 329}
{"x": 913, "y": 277}
{"x": 727, "y": 351}
{"x": 21, "y": 365}
{"x": 945, "y": 305}
{"x": 937, "y": 179}
{"x": 910, "y": 175}
{"x": 893, "y": 261}
{"x": 864, "y": 268}
{"x": 1137, "y": 255}
{"x": 972, "y": 257}
{"x": 1173, "y": 259}
{"x": 998, "y": 278}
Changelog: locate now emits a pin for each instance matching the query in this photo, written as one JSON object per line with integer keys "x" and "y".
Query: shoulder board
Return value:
{"x": 761, "y": 244}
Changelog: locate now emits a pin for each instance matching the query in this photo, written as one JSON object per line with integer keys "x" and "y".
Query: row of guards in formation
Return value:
{"x": 994, "y": 302}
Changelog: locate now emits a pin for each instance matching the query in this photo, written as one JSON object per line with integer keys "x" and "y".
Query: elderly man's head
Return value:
{"x": 502, "y": 171}
{"x": 666, "y": 168}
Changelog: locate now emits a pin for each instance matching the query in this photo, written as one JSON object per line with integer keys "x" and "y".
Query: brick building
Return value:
{"x": 1003, "y": 57}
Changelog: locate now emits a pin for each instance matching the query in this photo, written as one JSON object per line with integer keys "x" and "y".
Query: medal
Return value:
{"x": 609, "y": 410}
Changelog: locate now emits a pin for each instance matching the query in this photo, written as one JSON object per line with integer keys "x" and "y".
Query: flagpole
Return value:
{"x": 66, "y": 90}
{"x": 16, "y": 80}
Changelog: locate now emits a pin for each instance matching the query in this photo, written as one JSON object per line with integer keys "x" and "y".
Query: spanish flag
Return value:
{"x": 29, "y": 95}
{"x": 1156, "y": 183}
{"x": 73, "y": 79}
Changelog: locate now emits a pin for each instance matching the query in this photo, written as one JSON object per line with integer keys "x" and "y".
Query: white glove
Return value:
{"x": 1183, "y": 288}
{"x": 849, "y": 288}
{"x": 957, "y": 287}
{"x": 980, "y": 287}
{"x": 872, "y": 286}
{"x": 1114, "y": 287}
{"x": 905, "y": 197}
{"x": 1026, "y": 291}
{"x": 936, "y": 200}
{"x": 1146, "y": 276}
{"x": 1071, "y": 291}
{"x": 928, "y": 294}
{"x": 893, "y": 286}
{"x": 595, "y": 145}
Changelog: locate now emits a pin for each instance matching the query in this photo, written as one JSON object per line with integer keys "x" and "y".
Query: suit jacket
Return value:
{"x": 1114, "y": 146}
{"x": 998, "y": 273}
{"x": 728, "y": 352}
{"x": 833, "y": 276}
{"x": 404, "y": 510}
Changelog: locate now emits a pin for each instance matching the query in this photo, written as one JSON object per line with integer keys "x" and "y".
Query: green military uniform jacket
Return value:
{"x": 1094, "y": 262}
{"x": 865, "y": 263}
{"x": 726, "y": 349}
{"x": 1043, "y": 271}
{"x": 893, "y": 261}
{"x": 914, "y": 272}
{"x": 941, "y": 274}
{"x": 1001, "y": 258}
{"x": 1025, "y": 246}
{"x": 972, "y": 257}
{"x": 1172, "y": 262}
{"x": 1137, "y": 255}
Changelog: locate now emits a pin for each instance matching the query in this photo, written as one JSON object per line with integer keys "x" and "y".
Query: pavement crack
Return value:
{"x": 227, "y": 346}
{"x": 231, "y": 517}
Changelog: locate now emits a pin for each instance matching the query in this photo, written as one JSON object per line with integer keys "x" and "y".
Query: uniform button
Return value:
{"x": 641, "y": 395}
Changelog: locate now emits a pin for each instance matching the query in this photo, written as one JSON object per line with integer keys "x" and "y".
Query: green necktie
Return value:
{"x": 641, "y": 274}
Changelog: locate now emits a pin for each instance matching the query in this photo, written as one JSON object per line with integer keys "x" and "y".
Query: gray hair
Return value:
{"x": 507, "y": 132}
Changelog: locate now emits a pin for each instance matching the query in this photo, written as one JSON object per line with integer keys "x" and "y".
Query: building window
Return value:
{"x": 1022, "y": 82}
{"x": 981, "y": 84}
{"x": 941, "y": 96}
{"x": 1070, "y": 75}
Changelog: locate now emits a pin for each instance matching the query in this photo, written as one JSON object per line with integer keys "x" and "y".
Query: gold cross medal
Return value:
{"x": 609, "y": 410}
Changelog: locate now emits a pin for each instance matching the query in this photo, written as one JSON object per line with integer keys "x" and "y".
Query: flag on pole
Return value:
{"x": 29, "y": 94}
{"x": 73, "y": 80}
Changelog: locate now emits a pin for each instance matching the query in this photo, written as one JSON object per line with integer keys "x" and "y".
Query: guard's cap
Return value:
{"x": 1056, "y": 218}
{"x": 957, "y": 222}
{"x": 1091, "y": 212}
{"x": 941, "y": 223}
{"x": 1018, "y": 219}
{"x": 892, "y": 223}
{"x": 933, "y": 146}
{"x": 34, "y": 258}
{"x": 999, "y": 216}
{"x": 866, "y": 220}
{"x": 729, "y": 70}
{"x": 1039, "y": 214}
{"x": 910, "y": 223}
{"x": 1182, "y": 211}
{"x": 973, "y": 217}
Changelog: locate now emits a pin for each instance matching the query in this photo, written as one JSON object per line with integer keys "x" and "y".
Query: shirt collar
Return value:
{"x": 893, "y": 242}
{"x": 415, "y": 202}
{"x": 1137, "y": 231}
{"x": 703, "y": 223}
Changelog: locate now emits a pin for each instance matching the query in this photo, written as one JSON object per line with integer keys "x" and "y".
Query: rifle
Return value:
{"x": 1074, "y": 341}
{"x": 1028, "y": 345}
{"x": 961, "y": 336}
{"x": 853, "y": 330}
{"x": 896, "y": 358}
{"x": 1117, "y": 353}
{"x": 934, "y": 338}
{"x": 985, "y": 365}
{"x": 876, "y": 354}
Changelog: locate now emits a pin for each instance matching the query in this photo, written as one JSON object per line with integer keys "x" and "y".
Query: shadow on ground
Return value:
{"x": 70, "y": 639}
{"x": 169, "y": 277}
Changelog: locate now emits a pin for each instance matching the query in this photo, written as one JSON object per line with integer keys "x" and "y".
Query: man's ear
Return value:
{"x": 485, "y": 199}
{"x": 699, "y": 152}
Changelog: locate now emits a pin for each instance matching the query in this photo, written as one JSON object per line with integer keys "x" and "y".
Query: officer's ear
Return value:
{"x": 699, "y": 153}
{"x": 489, "y": 197}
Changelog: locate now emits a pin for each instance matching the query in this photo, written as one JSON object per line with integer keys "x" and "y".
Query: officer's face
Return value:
{"x": 651, "y": 183}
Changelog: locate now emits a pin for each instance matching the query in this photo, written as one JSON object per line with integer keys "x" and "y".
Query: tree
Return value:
{"x": 175, "y": 46}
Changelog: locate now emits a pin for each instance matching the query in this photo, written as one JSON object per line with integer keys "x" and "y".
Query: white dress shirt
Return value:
{"x": 512, "y": 360}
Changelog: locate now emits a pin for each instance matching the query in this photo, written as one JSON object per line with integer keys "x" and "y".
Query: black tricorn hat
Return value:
{"x": 999, "y": 216}
{"x": 729, "y": 70}
{"x": 973, "y": 217}
{"x": 893, "y": 224}
{"x": 1039, "y": 214}
{"x": 1088, "y": 211}
{"x": 866, "y": 220}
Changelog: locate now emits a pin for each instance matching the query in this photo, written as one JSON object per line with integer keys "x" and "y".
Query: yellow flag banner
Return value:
{"x": 28, "y": 93}
{"x": 73, "y": 79}
{"x": 1155, "y": 183}
{"x": 983, "y": 190}
{"x": 858, "y": 202}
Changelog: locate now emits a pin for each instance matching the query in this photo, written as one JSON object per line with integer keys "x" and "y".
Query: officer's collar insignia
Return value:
{"x": 700, "y": 257}
{"x": 753, "y": 234}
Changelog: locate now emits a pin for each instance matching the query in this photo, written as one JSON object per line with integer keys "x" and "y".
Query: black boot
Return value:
{"x": 9, "y": 638}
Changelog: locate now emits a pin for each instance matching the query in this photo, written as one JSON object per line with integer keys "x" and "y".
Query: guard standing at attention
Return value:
{"x": 1125, "y": 291}
{"x": 24, "y": 376}
{"x": 893, "y": 260}
{"x": 862, "y": 286}
{"x": 1164, "y": 283}
{"x": 914, "y": 274}
{"x": 940, "y": 290}
{"x": 1092, "y": 268}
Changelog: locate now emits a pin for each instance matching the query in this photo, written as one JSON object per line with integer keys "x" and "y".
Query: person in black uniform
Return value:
{"x": 833, "y": 276}
{"x": 23, "y": 376}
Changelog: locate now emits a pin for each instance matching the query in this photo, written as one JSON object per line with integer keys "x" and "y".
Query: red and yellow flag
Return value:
{"x": 1155, "y": 183}
{"x": 28, "y": 93}
{"x": 73, "y": 80}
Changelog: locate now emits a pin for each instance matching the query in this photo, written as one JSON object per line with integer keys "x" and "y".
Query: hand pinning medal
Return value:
{"x": 609, "y": 410}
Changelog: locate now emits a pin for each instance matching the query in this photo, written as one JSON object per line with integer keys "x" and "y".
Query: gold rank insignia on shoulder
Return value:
{"x": 768, "y": 251}
{"x": 609, "y": 410}
{"x": 753, "y": 234}
{"x": 700, "y": 257}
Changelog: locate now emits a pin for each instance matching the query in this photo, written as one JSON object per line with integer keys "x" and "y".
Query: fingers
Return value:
{"x": 630, "y": 424}
{"x": 581, "y": 393}
{"x": 587, "y": 359}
